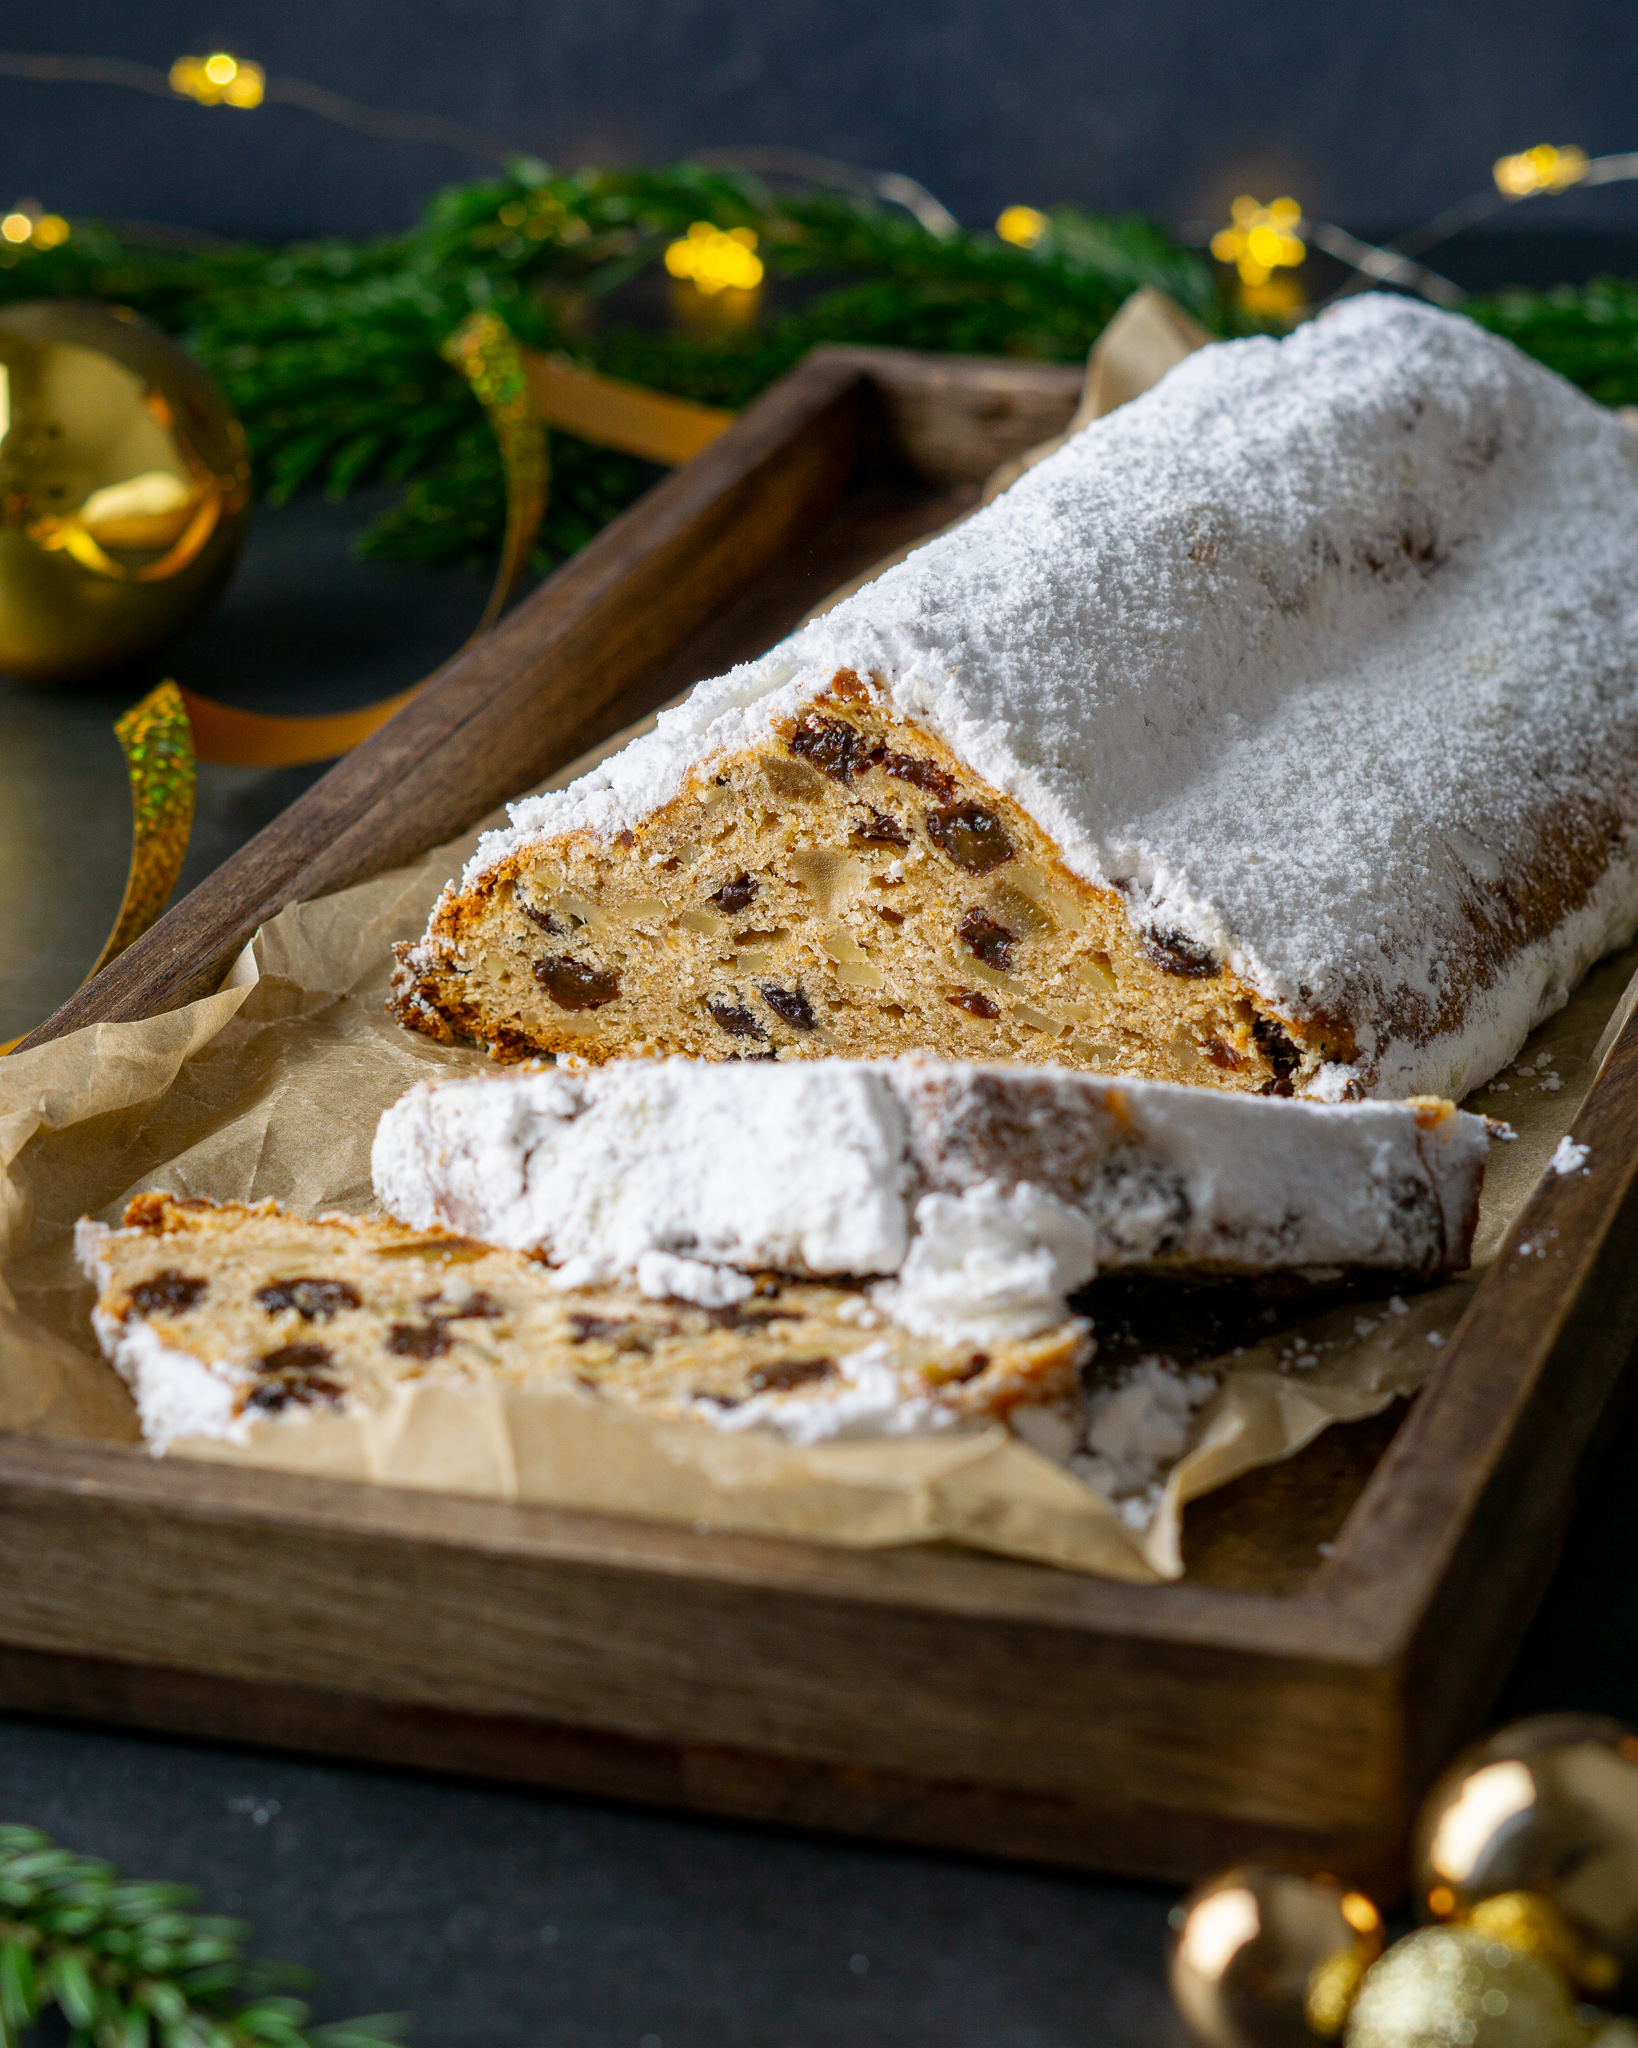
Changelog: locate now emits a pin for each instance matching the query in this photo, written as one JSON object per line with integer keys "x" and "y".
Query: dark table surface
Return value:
{"x": 517, "y": 1917}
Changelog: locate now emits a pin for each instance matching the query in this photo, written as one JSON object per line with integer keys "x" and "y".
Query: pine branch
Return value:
{"x": 329, "y": 351}
{"x": 129, "y": 1965}
{"x": 1588, "y": 333}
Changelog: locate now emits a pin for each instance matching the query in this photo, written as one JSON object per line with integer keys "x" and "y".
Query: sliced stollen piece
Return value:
{"x": 982, "y": 1195}
{"x": 1279, "y": 732}
{"x": 228, "y": 1319}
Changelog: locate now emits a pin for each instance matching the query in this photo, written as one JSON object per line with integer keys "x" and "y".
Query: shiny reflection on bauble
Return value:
{"x": 124, "y": 489}
{"x": 1265, "y": 1959}
{"x": 1549, "y": 1805}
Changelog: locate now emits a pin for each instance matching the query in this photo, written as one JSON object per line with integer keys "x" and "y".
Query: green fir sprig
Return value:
{"x": 329, "y": 351}
{"x": 128, "y": 1965}
{"x": 1588, "y": 333}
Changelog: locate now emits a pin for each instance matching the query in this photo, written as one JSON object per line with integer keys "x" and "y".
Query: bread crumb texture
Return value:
{"x": 222, "y": 1316}
{"x": 1280, "y": 732}
{"x": 846, "y": 887}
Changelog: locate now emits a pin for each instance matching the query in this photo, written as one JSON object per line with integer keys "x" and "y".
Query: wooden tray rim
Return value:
{"x": 1363, "y": 1605}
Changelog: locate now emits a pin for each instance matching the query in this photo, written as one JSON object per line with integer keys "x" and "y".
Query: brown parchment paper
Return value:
{"x": 273, "y": 1087}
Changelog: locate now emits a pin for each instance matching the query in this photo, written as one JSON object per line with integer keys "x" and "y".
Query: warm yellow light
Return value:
{"x": 715, "y": 260}
{"x": 50, "y": 230}
{"x": 1262, "y": 240}
{"x": 1023, "y": 226}
{"x": 1545, "y": 168}
{"x": 1359, "y": 1913}
{"x": 219, "y": 80}
{"x": 16, "y": 227}
{"x": 247, "y": 87}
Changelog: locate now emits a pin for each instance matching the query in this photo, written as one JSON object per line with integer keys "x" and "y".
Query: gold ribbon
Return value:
{"x": 524, "y": 393}
{"x": 159, "y": 760}
{"x": 615, "y": 414}
{"x": 260, "y": 739}
{"x": 483, "y": 350}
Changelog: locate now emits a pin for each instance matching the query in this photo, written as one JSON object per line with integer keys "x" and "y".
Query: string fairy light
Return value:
{"x": 1023, "y": 226}
{"x": 1261, "y": 239}
{"x": 1544, "y": 171}
{"x": 1545, "y": 168}
{"x": 219, "y": 80}
{"x": 51, "y": 68}
{"x": 800, "y": 164}
{"x": 715, "y": 259}
{"x": 27, "y": 226}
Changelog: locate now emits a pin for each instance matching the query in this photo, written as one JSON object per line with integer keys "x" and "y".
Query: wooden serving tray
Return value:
{"x": 1279, "y": 1702}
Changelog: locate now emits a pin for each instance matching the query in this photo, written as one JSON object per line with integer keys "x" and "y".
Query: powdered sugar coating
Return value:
{"x": 985, "y": 1194}
{"x": 176, "y": 1394}
{"x": 595, "y": 1170}
{"x": 1303, "y": 650}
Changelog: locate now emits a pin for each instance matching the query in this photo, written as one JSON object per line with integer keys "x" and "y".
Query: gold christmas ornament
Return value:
{"x": 124, "y": 487}
{"x": 1548, "y": 1806}
{"x": 1456, "y": 1987}
{"x": 1266, "y": 1959}
{"x": 1526, "y": 1920}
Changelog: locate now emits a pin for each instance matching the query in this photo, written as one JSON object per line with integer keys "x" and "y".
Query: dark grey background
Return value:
{"x": 513, "y": 1918}
{"x": 1376, "y": 115}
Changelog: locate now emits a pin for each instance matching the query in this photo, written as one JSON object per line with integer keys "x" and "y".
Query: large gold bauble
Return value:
{"x": 1456, "y": 1987}
{"x": 124, "y": 488}
{"x": 1549, "y": 1805}
{"x": 1265, "y": 1959}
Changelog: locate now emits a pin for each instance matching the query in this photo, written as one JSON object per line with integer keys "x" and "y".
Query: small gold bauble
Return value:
{"x": 1455, "y": 1987}
{"x": 124, "y": 488}
{"x": 1550, "y": 1806}
{"x": 1265, "y": 1959}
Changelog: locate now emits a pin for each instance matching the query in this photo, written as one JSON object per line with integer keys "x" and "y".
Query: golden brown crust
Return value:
{"x": 846, "y": 886}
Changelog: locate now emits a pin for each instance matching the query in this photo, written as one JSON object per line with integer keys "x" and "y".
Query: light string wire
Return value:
{"x": 1391, "y": 262}
{"x": 378, "y": 122}
{"x": 892, "y": 186}
{"x": 521, "y": 391}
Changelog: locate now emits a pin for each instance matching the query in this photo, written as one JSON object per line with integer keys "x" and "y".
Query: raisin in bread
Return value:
{"x": 228, "y": 1319}
{"x": 1279, "y": 732}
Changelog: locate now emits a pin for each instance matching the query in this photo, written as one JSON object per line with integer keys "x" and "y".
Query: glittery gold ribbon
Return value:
{"x": 159, "y": 759}
{"x": 483, "y": 350}
{"x": 523, "y": 392}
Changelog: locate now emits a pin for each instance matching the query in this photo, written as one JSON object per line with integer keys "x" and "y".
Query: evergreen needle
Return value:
{"x": 329, "y": 351}
{"x": 131, "y": 1966}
